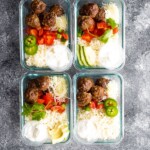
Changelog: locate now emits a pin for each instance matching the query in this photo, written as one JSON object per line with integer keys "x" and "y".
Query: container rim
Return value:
{"x": 75, "y": 63}
{"x": 21, "y": 39}
{"x": 121, "y": 136}
{"x": 21, "y": 102}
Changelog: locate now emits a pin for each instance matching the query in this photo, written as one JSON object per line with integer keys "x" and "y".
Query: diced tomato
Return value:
{"x": 49, "y": 106}
{"x": 40, "y": 32}
{"x": 52, "y": 33}
{"x": 59, "y": 109}
{"x": 48, "y": 39}
{"x": 48, "y": 98}
{"x": 40, "y": 40}
{"x": 40, "y": 93}
{"x": 102, "y": 25}
{"x": 109, "y": 27}
{"x": 100, "y": 32}
{"x": 40, "y": 101}
{"x": 100, "y": 106}
{"x": 91, "y": 28}
{"x": 95, "y": 31}
{"x": 87, "y": 37}
{"x": 115, "y": 30}
{"x": 65, "y": 36}
{"x": 58, "y": 103}
{"x": 33, "y": 32}
{"x": 92, "y": 105}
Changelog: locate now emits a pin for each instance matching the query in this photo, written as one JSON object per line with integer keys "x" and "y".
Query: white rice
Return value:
{"x": 107, "y": 128}
{"x": 112, "y": 11}
{"x": 51, "y": 118}
{"x": 39, "y": 59}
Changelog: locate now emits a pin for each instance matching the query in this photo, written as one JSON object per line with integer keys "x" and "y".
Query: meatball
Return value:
{"x": 49, "y": 19}
{"x": 31, "y": 95}
{"x": 90, "y": 9}
{"x": 38, "y": 6}
{"x": 100, "y": 15}
{"x": 85, "y": 84}
{"x": 33, "y": 21}
{"x": 97, "y": 92}
{"x": 85, "y": 22}
{"x": 83, "y": 98}
{"x": 103, "y": 82}
{"x": 57, "y": 10}
{"x": 43, "y": 83}
{"x": 32, "y": 83}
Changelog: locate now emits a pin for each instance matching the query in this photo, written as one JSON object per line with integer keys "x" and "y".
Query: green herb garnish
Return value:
{"x": 36, "y": 111}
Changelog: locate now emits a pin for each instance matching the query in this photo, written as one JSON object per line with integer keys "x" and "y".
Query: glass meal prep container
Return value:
{"x": 24, "y": 8}
{"x": 23, "y": 86}
{"x": 80, "y": 64}
{"x": 120, "y": 100}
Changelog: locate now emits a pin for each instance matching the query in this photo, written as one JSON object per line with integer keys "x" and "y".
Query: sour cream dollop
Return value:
{"x": 87, "y": 130}
{"x": 58, "y": 57}
{"x": 111, "y": 55}
{"x": 35, "y": 131}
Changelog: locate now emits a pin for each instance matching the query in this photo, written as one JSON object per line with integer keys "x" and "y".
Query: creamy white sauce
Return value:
{"x": 111, "y": 55}
{"x": 35, "y": 132}
{"x": 87, "y": 130}
{"x": 58, "y": 57}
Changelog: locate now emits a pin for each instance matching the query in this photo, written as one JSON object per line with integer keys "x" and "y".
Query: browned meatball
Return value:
{"x": 90, "y": 9}
{"x": 31, "y": 95}
{"x": 103, "y": 82}
{"x": 49, "y": 19}
{"x": 100, "y": 15}
{"x": 32, "y": 83}
{"x": 83, "y": 98}
{"x": 57, "y": 10}
{"x": 38, "y": 6}
{"x": 85, "y": 22}
{"x": 33, "y": 21}
{"x": 43, "y": 83}
{"x": 97, "y": 92}
{"x": 85, "y": 84}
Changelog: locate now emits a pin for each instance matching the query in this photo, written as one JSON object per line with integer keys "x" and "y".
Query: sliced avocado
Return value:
{"x": 78, "y": 55}
{"x": 90, "y": 56}
{"x": 83, "y": 56}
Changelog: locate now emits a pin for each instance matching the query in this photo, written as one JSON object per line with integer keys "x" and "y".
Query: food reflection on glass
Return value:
{"x": 45, "y": 110}
{"x": 98, "y": 109}
{"x": 46, "y": 40}
{"x": 98, "y": 36}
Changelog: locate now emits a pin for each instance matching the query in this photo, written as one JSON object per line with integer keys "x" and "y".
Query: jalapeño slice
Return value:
{"x": 31, "y": 50}
{"x": 30, "y": 40}
{"x": 110, "y": 102}
{"x": 111, "y": 111}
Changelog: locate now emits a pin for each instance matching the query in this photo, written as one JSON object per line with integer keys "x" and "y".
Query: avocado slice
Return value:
{"x": 90, "y": 56}
{"x": 83, "y": 56}
{"x": 78, "y": 55}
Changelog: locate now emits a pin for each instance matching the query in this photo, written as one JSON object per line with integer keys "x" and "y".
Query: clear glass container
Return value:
{"x": 24, "y": 8}
{"x": 121, "y": 6}
{"x": 23, "y": 86}
{"x": 113, "y": 76}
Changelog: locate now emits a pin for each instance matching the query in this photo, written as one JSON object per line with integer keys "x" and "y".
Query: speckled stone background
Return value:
{"x": 136, "y": 74}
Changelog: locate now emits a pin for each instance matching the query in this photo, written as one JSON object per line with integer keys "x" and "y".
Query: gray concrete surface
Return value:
{"x": 136, "y": 74}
